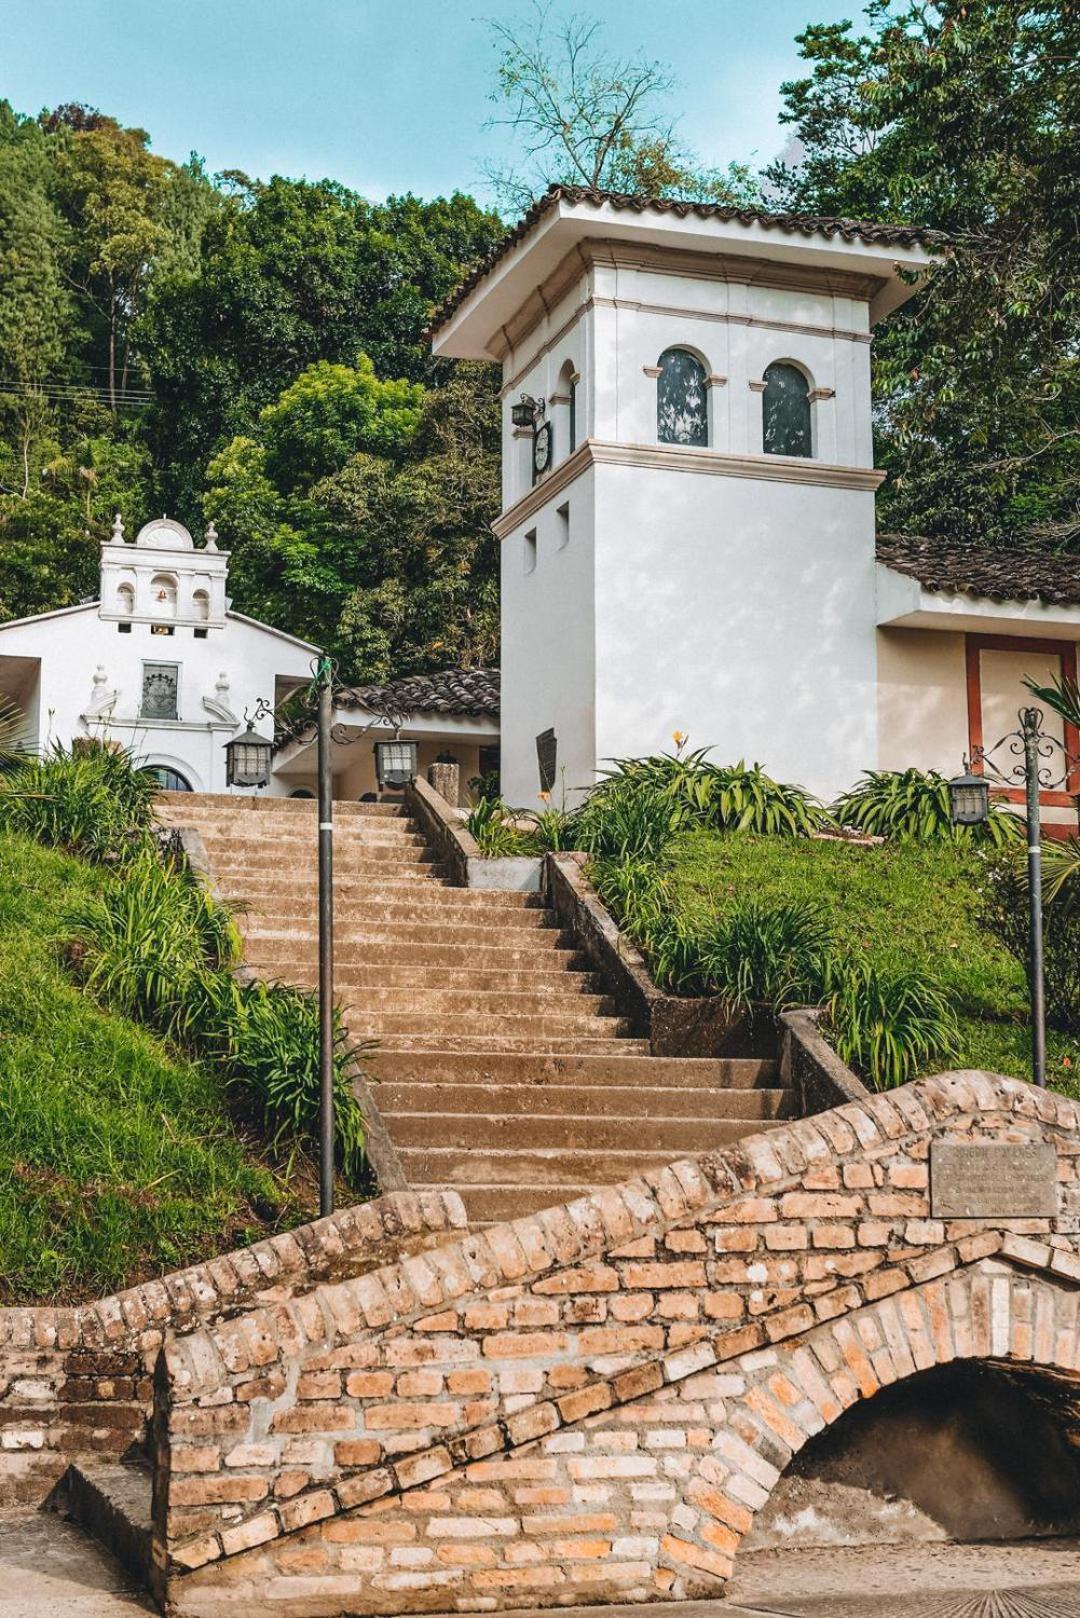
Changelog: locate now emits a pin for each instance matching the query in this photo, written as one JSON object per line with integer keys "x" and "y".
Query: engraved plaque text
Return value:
{"x": 992, "y": 1180}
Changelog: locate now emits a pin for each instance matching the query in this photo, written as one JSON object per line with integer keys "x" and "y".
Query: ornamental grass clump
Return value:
{"x": 92, "y": 801}
{"x": 913, "y": 805}
{"x": 717, "y": 797}
{"x": 889, "y": 1024}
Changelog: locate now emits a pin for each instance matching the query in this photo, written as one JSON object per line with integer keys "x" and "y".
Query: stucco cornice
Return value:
{"x": 676, "y": 458}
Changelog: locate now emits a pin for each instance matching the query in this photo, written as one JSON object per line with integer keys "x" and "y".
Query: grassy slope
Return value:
{"x": 898, "y": 904}
{"x": 117, "y": 1160}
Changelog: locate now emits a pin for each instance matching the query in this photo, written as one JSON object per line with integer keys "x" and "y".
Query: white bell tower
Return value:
{"x": 688, "y": 491}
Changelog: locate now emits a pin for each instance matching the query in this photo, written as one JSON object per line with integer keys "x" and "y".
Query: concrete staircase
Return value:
{"x": 503, "y": 1068}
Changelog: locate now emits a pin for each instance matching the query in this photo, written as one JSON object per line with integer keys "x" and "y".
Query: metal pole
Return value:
{"x": 326, "y": 944}
{"x": 1029, "y": 727}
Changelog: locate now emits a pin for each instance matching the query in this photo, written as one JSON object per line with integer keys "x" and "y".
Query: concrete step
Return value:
{"x": 547, "y": 1167}
{"x": 431, "y": 1003}
{"x": 495, "y": 1203}
{"x": 230, "y": 804}
{"x": 413, "y": 946}
{"x": 569, "y": 977}
{"x": 253, "y": 834}
{"x": 668, "y": 1138}
{"x": 364, "y": 913}
{"x": 587, "y": 1102}
{"x": 487, "y": 1046}
{"x": 433, "y": 1026}
{"x": 364, "y": 889}
{"x": 112, "y": 1502}
{"x": 357, "y": 933}
{"x": 628, "y": 1065}
{"x": 302, "y": 855}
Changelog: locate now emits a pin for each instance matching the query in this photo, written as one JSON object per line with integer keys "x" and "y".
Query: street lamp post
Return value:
{"x": 324, "y": 732}
{"x": 969, "y": 799}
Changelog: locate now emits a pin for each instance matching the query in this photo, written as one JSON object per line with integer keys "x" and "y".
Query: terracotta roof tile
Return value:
{"x": 976, "y": 570}
{"x": 473, "y": 693}
{"x": 865, "y": 230}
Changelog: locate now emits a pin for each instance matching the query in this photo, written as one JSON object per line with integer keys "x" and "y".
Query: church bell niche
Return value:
{"x": 163, "y": 579}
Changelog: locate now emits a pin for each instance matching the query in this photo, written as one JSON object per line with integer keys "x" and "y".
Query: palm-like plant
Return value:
{"x": 914, "y": 805}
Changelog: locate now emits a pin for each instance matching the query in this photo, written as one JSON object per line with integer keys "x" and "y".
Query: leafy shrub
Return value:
{"x": 552, "y": 830}
{"x": 718, "y": 797}
{"x": 914, "y": 804}
{"x": 1005, "y": 915}
{"x": 92, "y": 801}
{"x": 889, "y": 1025}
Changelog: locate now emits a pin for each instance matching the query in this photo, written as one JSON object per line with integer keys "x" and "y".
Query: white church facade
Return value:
{"x": 688, "y": 535}
{"x": 162, "y": 665}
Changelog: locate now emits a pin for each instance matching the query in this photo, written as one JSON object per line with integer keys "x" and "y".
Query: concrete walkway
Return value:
{"x": 1040, "y": 1578}
{"x": 50, "y": 1569}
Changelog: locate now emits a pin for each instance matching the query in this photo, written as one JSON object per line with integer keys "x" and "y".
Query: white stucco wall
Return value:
{"x": 548, "y": 645}
{"x": 741, "y": 613}
{"x": 71, "y": 646}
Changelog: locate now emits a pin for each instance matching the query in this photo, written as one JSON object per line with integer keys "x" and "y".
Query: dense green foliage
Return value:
{"x": 1005, "y": 913}
{"x": 119, "y": 1158}
{"x": 915, "y": 804}
{"x": 961, "y": 115}
{"x": 154, "y": 321}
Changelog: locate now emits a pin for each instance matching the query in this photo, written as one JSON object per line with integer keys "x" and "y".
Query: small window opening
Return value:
{"x": 530, "y": 551}
{"x": 562, "y": 515}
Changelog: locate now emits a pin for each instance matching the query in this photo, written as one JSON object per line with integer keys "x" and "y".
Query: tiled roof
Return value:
{"x": 795, "y": 224}
{"x": 976, "y": 570}
{"x": 472, "y": 693}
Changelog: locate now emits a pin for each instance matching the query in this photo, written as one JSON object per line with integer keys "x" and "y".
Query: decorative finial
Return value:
{"x": 118, "y": 530}
{"x": 222, "y": 687}
{"x": 211, "y": 536}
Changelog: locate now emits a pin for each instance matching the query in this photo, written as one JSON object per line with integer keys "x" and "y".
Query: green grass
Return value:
{"x": 899, "y": 905}
{"x": 118, "y": 1160}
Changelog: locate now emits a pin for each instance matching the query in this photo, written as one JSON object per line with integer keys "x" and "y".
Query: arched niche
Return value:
{"x": 163, "y": 595}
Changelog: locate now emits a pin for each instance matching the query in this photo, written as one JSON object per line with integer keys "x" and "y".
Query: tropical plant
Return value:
{"x": 914, "y": 804}
{"x": 273, "y": 1052}
{"x": 754, "y": 953}
{"x": 150, "y": 945}
{"x": 889, "y": 1024}
{"x": 719, "y": 797}
{"x": 491, "y": 825}
{"x": 551, "y": 830}
{"x": 92, "y": 800}
{"x": 629, "y": 819}
{"x": 1005, "y": 915}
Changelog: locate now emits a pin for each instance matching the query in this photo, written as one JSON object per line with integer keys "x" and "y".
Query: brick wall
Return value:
{"x": 592, "y": 1402}
{"x": 77, "y": 1381}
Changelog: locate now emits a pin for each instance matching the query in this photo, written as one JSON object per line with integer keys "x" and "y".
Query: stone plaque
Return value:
{"x": 992, "y": 1180}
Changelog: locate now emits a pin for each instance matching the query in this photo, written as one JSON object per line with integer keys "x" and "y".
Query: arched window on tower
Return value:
{"x": 682, "y": 409}
{"x": 786, "y": 412}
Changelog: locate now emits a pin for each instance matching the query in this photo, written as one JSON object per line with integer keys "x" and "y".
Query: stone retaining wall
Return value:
{"x": 591, "y": 1403}
{"x": 76, "y": 1381}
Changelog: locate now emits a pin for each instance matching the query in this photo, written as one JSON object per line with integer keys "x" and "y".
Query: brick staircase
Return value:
{"x": 503, "y": 1069}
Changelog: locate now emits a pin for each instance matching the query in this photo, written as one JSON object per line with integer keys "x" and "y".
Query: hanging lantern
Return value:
{"x": 969, "y": 800}
{"x": 395, "y": 763}
{"x": 247, "y": 759}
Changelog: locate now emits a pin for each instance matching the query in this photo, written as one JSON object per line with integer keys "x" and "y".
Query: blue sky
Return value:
{"x": 384, "y": 95}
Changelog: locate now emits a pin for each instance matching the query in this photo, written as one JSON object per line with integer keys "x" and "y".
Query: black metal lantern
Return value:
{"x": 395, "y": 763}
{"x": 527, "y": 412}
{"x": 969, "y": 799}
{"x": 247, "y": 759}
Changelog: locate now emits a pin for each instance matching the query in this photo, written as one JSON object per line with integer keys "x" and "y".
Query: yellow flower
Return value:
{"x": 545, "y": 797}
{"x": 679, "y": 737}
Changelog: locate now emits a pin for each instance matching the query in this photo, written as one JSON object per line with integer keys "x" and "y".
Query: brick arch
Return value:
{"x": 536, "y": 1413}
{"x": 1006, "y": 1315}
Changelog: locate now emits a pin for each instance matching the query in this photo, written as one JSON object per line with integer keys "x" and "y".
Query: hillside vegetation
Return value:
{"x": 118, "y": 1160}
